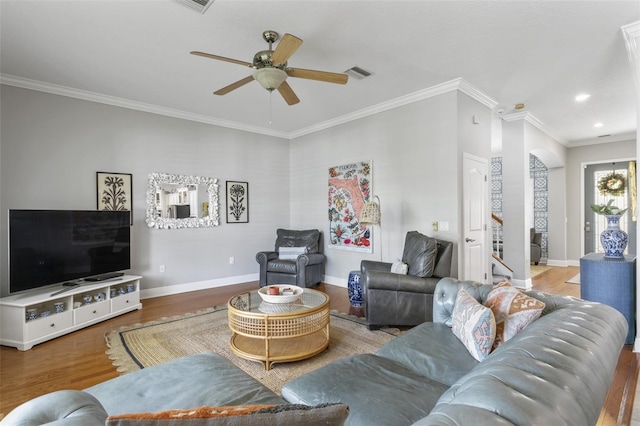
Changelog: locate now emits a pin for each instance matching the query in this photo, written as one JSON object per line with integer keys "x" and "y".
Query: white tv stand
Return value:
{"x": 19, "y": 332}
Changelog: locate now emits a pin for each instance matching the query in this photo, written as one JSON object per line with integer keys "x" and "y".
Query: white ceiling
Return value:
{"x": 136, "y": 53}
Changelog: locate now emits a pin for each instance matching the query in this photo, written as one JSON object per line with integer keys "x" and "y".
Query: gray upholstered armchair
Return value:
{"x": 536, "y": 246}
{"x": 405, "y": 300}
{"x": 297, "y": 259}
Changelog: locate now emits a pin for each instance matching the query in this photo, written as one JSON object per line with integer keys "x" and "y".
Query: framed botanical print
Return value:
{"x": 349, "y": 191}
{"x": 114, "y": 192}
{"x": 237, "y": 202}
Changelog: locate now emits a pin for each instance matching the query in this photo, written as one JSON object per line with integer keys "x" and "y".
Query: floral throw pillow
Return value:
{"x": 513, "y": 310}
{"x": 474, "y": 325}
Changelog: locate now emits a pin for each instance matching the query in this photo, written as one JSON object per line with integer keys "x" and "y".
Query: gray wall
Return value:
{"x": 521, "y": 138}
{"x": 415, "y": 151}
{"x": 601, "y": 153}
{"x": 52, "y": 147}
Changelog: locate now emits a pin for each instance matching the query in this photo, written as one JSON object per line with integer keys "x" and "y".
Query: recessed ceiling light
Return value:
{"x": 582, "y": 97}
{"x": 518, "y": 106}
{"x": 598, "y": 125}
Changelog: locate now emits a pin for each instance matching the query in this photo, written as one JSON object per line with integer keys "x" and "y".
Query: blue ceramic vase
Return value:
{"x": 613, "y": 239}
{"x": 354, "y": 289}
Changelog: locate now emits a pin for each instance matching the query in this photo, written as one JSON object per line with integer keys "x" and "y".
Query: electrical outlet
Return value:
{"x": 162, "y": 268}
{"x": 232, "y": 260}
{"x": 444, "y": 226}
{"x": 435, "y": 225}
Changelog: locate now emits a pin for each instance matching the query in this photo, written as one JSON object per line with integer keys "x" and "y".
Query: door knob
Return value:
{"x": 469, "y": 240}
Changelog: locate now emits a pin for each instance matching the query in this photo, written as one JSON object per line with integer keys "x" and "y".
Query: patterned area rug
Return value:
{"x": 143, "y": 345}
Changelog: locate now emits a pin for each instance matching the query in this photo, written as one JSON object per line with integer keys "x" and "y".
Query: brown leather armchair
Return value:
{"x": 393, "y": 299}
{"x": 304, "y": 270}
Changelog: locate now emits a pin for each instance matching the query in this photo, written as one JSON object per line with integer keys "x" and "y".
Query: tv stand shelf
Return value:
{"x": 82, "y": 306}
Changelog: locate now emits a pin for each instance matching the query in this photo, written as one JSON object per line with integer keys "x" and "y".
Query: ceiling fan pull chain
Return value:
{"x": 270, "y": 107}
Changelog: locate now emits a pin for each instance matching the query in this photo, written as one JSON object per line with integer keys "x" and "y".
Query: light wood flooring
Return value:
{"x": 77, "y": 360}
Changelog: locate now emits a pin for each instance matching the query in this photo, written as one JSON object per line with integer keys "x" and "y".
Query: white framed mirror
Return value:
{"x": 181, "y": 201}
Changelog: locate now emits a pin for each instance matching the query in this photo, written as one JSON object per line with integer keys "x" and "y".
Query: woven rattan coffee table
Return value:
{"x": 279, "y": 332}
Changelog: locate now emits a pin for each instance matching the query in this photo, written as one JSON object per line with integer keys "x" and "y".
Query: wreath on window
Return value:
{"x": 613, "y": 184}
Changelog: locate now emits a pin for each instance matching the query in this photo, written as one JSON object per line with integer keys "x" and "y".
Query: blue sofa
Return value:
{"x": 557, "y": 371}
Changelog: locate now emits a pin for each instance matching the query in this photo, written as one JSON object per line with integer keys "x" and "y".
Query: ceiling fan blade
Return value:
{"x": 222, "y": 58}
{"x": 287, "y": 93}
{"x": 329, "y": 77}
{"x": 233, "y": 86}
{"x": 287, "y": 46}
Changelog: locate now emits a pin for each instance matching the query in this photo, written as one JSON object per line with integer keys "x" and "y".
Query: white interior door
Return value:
{"x": 475, "y": 216}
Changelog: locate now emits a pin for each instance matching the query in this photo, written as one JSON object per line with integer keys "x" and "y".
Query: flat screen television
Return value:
{"x": 49, "y": 247}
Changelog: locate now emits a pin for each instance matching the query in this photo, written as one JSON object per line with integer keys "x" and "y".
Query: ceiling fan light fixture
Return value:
{"x": 270, "y": 78}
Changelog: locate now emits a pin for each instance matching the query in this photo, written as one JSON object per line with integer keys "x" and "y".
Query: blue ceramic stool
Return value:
{"x": 354, "y": 289}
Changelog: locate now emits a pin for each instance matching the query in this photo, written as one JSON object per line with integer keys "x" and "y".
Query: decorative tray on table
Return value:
{"x": 285, "y": 293}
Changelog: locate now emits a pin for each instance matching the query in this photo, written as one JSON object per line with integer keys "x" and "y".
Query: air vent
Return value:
{"x": 603, "y": 136}
{"x": 359, "y": 73}
{"x": 199, "y": 5}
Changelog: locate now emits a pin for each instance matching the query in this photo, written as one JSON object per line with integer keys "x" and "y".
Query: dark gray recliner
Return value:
{"x": 536, "y": 246}
{"x": 405, "y": 300}
{"x": 304, "y": 270}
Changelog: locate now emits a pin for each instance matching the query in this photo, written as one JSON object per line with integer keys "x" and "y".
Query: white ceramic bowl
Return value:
{"x": 282, "y": 298}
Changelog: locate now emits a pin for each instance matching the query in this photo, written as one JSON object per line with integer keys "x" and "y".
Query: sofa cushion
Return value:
{"x": 377, "y": 390}
{"x": 474, "y": 324}
{"x": 285, "y": 266}
{"x": 420, "y": 254}
{"x": 513, "y": 310}
{"x": 430, "y": 350}
{"x": 66, "y": 407}
{"x": 240, "y": 415}
{"x": 556, "y": 372}
{"x": 187, "y": 382}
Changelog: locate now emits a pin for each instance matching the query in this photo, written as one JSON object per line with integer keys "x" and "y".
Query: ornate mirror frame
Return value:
{"x": 156, "y": 180}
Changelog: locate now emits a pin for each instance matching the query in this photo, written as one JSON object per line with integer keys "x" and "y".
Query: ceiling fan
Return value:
{"x": 271, "y": 69}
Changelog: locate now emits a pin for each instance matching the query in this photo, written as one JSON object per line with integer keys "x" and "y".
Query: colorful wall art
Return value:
{"x": 349, "y": 190}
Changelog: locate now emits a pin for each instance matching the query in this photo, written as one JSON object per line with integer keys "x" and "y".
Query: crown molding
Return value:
{"x": 457, "y": 84}
{"x": 531, "y": 119}
{"x": 631, "y": 33}
{"x": 55, "y": 89}
{"x": 448, "y": 86}
{"x": 476, "y": 94}
{"x": 605, "y": 139}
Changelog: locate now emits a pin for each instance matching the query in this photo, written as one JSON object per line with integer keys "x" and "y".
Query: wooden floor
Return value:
{"x": 77, "y": 360}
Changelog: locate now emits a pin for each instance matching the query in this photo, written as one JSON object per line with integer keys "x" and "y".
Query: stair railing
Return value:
{"x": 496, "y": 226}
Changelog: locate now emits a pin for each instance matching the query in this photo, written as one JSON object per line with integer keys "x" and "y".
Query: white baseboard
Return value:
{"x": 340, "y": 282}
{"x": 636, "y": 345}
{"x": 555, "y": 262}
{"x": 194, "y": 286}
{"x": 523, "y": 284}
{"x": 222, "y": 282}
